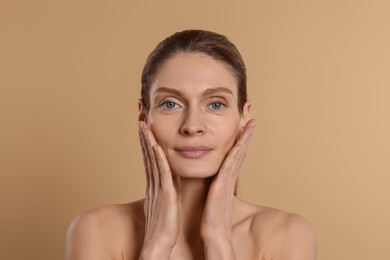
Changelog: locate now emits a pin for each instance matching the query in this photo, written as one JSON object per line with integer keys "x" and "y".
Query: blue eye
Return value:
{"x": 169, "y": 105}
{"x": 216, "y": 105}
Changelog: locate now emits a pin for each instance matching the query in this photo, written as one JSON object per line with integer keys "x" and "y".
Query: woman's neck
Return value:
{"x": 192, "y": 195}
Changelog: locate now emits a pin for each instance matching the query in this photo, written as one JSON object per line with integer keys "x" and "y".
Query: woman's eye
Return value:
{"x": 216, "y": 105}
{"x": 169, "y": 105}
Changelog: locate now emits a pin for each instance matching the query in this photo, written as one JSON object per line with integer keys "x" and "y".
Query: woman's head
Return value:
{"x": 209, "y": 43}
{"x": 194, "y": 100}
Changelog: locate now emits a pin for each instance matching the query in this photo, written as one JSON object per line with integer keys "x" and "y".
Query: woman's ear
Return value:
{"x": 245, "y": 115}
{"x": 142, "y": 116}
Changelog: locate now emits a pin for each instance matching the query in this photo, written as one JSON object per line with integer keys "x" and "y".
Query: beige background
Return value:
{"x": 319, "y": 81}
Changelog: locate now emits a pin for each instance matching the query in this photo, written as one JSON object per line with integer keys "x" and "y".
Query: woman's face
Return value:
{"x": 194, "y": 114}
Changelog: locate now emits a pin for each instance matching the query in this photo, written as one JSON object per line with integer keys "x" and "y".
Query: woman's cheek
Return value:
{"x": 161, "y": 133}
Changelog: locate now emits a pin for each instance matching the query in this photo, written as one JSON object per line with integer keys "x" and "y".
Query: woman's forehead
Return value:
{"x": 195, "y": 71}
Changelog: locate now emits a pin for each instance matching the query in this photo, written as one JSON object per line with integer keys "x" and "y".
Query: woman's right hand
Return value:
{"x": 160, "y": 207}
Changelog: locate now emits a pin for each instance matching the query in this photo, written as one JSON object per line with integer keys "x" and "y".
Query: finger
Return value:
{"x": 149, "y": 177}
{"x": 246, "y": 134}
{"x": 154, "y": 181}
{"x": 148, "y": 133}
{"x": 235, "y": 158}
{"x": 151, "y": 141}
{"x": 244, "y": 141}
{"x": 228, "y": 173}
{"x": 148, "y": 161}
{"x": 165, "y": 171}
{"x": 145, "y": 156}
{"x": 238, "y": 152}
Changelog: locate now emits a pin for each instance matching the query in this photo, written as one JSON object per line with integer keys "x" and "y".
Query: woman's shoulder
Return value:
{"x": 272, "y": 219}
{"x": 279, "y": 231}
{"x": 97, "y": 231}
{"x": 109, "y": 216}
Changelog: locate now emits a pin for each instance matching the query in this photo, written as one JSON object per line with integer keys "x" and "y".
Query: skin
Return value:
{"x": 190, "y": 211}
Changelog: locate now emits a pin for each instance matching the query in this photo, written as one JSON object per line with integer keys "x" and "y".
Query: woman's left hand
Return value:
{"x": 216, "y": 227}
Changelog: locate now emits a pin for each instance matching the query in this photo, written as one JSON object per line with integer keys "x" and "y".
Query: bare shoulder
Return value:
{"x": 278, "y": 234}
{"x": 106, "y": 232}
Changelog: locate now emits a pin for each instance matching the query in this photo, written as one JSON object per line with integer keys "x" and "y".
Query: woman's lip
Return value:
{"x": 193, "y": 152}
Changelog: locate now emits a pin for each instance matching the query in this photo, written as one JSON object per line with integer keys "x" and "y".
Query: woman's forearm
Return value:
{"x": 152, "y": 253}
{"x": 219, "y": 250}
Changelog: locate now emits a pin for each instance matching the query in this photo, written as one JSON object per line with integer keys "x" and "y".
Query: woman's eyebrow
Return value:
{"x": 167, "y": 90}
{"x": 211, "y": 91}
{"x": 207, "y": 92}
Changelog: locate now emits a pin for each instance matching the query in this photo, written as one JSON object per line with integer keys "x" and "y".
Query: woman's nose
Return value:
{"x": 193, "y": 123}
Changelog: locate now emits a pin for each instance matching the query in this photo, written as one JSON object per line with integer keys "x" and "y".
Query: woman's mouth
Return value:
{"x": 193, "y": 152}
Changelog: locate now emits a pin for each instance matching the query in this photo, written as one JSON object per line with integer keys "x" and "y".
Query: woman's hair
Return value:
{"x": 212, "y": 44}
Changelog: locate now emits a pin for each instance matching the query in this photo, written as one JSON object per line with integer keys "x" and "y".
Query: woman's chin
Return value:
{"x": 191, "y": 172}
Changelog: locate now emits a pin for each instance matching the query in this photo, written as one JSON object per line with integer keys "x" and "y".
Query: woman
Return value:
{"x": 194, "y": 131}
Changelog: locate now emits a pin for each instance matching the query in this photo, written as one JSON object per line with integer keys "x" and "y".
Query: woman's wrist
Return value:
{"x": 219, "y": 249}
{"x": 156, "y": 252}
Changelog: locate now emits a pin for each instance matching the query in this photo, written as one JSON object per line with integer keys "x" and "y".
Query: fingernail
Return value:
{"x": 141, "y": 124}
{"x": 253, "y": 123}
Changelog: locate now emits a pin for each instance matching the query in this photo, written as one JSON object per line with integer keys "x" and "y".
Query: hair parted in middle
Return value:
{"x": 212, "y": 44}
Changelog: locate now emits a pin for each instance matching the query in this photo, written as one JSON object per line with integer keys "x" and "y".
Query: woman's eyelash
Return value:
{"x": 217, "y": 105}
{"x": 171, "y": 105}
{"x": 168, "y": 105}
